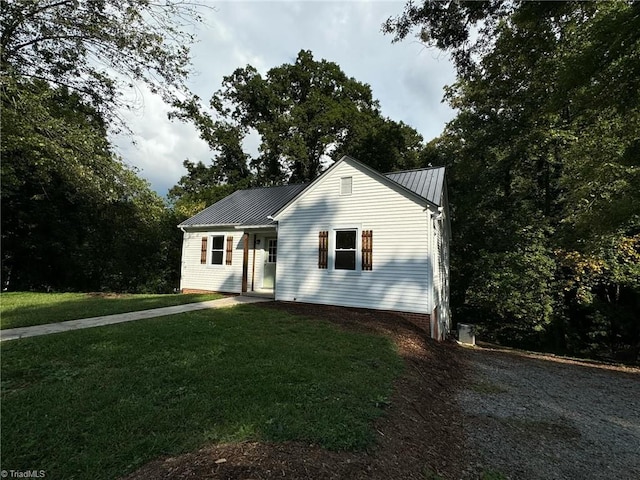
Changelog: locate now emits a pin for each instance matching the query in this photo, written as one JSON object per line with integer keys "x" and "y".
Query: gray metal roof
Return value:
{"x": 246, "y": 207}
{"x": 426, "y": 182}
{"x": 253, "y": 206}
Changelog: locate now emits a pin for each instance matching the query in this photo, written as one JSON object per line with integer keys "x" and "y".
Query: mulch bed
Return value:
{"x": 420, "y": 434}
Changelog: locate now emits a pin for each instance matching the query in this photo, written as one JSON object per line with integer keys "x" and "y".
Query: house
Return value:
{"x": 353, "y": 237}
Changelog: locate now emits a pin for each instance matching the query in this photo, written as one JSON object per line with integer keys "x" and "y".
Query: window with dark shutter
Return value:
{"x": 345, "y": 250}
{"x": 367, "y": 250}
{"x": 229, "y": 250}
{"x": 203, "y": 251}
{"x": 217, "y": 249}
{"x": 323, "y": 249}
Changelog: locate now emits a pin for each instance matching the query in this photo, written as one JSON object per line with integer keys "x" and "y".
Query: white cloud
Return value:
{"x": 405, "y": 77}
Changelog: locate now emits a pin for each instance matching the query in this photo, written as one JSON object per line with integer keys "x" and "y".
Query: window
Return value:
{"x": 217, "y": 250}
{"x": 346, "y": 185}
{"x": 345, "y": 258}
{"x": 272, "y": 250}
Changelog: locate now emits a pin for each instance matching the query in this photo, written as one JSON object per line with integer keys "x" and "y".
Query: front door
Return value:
{"x": 270, "y": 259}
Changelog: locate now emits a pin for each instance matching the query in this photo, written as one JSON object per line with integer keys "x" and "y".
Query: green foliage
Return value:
{"x": 95, "y": 47}
{"x": 451, "y": 26}
{"x": 518, "y": 286}
{"x": 200, "y": 187}
{"x": 544, "y": 168}
{"x": 99, "y": 403}
{"x": 305, "y": 114}
{"x": 25, "y": 309}
{"x": 74, "y": 216}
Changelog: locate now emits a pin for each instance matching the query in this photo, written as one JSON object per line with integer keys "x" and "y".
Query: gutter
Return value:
{"x": 256, "y": 227}
{"x": 208, "y": 225}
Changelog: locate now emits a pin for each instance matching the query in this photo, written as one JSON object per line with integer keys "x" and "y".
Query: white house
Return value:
{"x": 353, "y": 237}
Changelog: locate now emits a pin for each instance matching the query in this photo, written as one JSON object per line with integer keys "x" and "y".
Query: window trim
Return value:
{"x": 211, "y": 249}
{"x": 332, "y": 249}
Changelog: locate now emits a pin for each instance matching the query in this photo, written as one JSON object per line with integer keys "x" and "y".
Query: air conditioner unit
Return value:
{"x": 467, "y": 334}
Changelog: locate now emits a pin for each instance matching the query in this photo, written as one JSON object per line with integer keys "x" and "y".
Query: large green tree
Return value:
{"x": 544, "y": 167}
{"x": 96, "y": 47}
{"x": 305, "y": 113}
{"x": 74, "y": 216}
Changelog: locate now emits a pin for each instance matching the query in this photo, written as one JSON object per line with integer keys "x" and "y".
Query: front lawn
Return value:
{"x": 98, "y": 403}
{"x": 24, "y": 309}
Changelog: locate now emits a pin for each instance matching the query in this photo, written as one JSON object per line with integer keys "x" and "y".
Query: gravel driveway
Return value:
{"x": 538, "y": 417}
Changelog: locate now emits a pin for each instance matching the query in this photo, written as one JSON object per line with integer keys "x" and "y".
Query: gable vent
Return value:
{"x": 346, "y": 185}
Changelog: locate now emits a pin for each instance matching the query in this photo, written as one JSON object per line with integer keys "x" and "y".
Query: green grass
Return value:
{"x": 486, "y": 387}
{"x": 99, "y": 403}
{"x": 24, "y": 309}
{"x": 492, "y": 475}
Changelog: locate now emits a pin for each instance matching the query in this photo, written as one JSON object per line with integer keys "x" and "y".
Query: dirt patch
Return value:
{"x": 421, "y": 432}
{"x": 107, "y": 295}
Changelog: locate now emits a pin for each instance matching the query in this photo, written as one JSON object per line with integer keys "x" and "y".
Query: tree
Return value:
{"x": 543, "y": 167}
{"x": 73, "y": 215}
{"x": 305, "y": 114}
{"x": 201, "y": 187}
{"x": 465, "y": 29}
{"x": 94, "y": 47}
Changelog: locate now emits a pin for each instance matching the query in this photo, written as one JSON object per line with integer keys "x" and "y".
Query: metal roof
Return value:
{"x": 252, "y": 207}
{"x": 246, "y": 207}
{"x": 426, "y": 182}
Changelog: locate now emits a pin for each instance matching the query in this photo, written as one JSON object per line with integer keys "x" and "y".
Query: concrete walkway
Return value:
{"x": 37, "y": 330}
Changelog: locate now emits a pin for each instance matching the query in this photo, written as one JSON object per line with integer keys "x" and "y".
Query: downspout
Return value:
{"x": 430, "y": 273}
{"x": 435, "y": 267}
{"x": 433, "y": 216}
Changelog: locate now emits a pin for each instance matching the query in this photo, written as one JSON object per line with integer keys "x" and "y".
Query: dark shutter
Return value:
{"x": 367, "y": 250}
{"x": 323, "y": 249}
{"x": 203, "y": 251}
{"x": 229, "y": 250}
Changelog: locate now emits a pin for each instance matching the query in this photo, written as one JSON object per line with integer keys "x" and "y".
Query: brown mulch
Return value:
{"x": 420, "y": 434}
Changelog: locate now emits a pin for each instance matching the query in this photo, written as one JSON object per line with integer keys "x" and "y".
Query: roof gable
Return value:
{"x": 421, "y": 185}
{"x": 254, "y": 206}
{"x": 246, "y": 207}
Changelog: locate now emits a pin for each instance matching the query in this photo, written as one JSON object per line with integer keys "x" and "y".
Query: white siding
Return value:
{"x": 217, "y": 278}
{"x": 400, "y": 279}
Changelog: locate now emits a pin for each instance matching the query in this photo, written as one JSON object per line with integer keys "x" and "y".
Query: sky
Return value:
{"x": 406, "y": 77}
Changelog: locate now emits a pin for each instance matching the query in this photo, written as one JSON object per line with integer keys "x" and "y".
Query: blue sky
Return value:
{"x": 407, "y": 77}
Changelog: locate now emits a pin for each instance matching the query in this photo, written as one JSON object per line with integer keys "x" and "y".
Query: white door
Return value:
{"x": 270, "y": 259}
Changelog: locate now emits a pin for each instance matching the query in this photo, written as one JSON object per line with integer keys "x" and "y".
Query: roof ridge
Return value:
{"x": 413, "y": 170}
{"x": 271, "y": 186}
